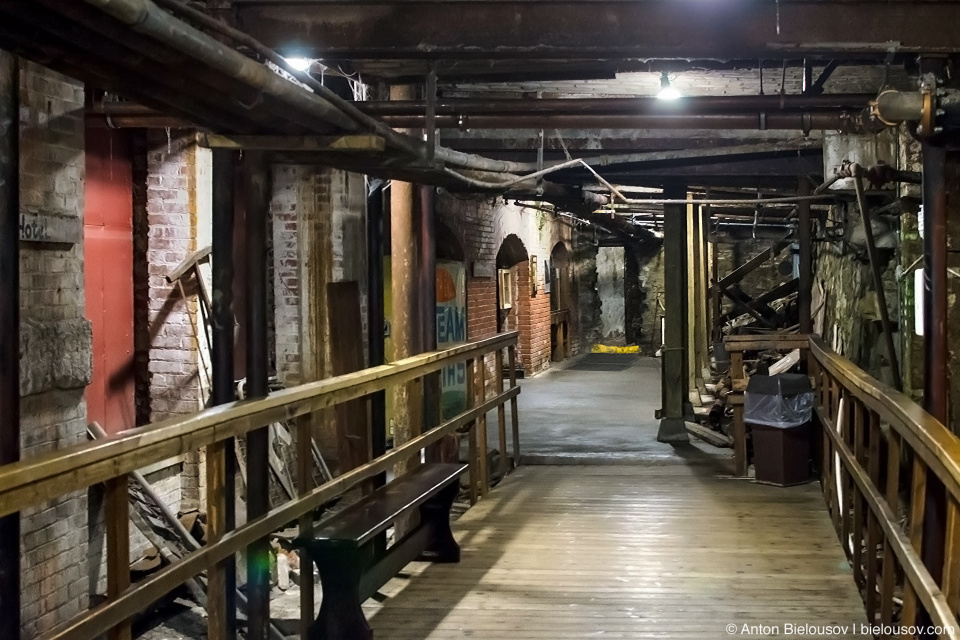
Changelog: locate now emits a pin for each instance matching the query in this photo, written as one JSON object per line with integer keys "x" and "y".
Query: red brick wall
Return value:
{"x": 481, "y": 308}
{"x": 482, "y": 225}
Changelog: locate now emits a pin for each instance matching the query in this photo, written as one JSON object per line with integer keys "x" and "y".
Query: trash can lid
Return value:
{"x": 784, "y": 384}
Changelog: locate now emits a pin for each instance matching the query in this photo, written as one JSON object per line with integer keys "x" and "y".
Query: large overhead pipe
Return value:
{"x": 145, "y": 17}
{"x": 9, "y": 332}
{"x": 641, "y": 105}
{"x": 755, "y": 120}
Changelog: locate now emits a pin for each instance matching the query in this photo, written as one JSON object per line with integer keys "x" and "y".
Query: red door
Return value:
{"x": 108, "y": 277}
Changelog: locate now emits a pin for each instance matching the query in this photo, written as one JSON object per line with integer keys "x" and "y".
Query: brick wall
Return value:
{"x": 56, "y": 336}
{"x": 482, "y": 225}
{"x": 170, "y": 339}
{"x": 172, "y": 219}
{"x": 288, "y": 210}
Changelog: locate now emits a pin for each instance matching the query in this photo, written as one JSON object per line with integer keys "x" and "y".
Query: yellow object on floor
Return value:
{"x": 602, "y": 348}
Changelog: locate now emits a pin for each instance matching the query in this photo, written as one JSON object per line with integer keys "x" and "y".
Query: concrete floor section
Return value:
{"x": 569, "y": 415}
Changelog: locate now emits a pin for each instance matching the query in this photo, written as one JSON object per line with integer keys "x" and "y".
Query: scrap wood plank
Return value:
{"x": 785, "y": 289}
{"x": 346, "y": 355}
{"x": 740, "y": 272}
{"x": 709, "y": 436}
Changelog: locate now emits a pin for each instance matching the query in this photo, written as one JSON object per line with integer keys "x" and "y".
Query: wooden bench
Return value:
{"x": 346, "y": 553}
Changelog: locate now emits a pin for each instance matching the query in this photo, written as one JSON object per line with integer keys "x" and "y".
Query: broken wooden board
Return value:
{"x": 785, "y": 363}
{"x": 709, "y": 436}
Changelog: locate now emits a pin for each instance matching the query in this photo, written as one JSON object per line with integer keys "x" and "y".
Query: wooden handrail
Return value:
{"x": 35, "y": 480}
{"x": 149, "y": 590}
{"x": 928, "y": 437}
{"x": 873, "y": 434}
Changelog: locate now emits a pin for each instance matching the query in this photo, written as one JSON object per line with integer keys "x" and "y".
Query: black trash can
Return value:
{"x": 778, "y": 410}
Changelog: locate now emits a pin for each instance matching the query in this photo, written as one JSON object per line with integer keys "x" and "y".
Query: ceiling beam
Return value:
{"x": 597, "y": 29}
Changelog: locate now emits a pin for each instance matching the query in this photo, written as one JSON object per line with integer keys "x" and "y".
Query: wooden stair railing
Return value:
{"x": 36, "y": 480}
{"x": 881, "y": 454}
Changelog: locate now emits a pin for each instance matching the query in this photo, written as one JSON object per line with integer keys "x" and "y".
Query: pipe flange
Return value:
{"x": 928, "y": 114}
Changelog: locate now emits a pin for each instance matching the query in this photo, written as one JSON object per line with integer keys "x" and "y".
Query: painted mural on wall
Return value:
{"x": 451, "y": 329}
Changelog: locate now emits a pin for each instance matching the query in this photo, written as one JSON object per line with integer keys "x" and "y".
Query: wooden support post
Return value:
{"x": 693, "y": 346}
{"x": 117, "y": 517}
{"x": 740, "y": 462}
{"x": 674, "y": 360}
{"x": 514, "y": 416}
{"x": 258, "y": 441}
{"x": 375, "y": 321}
{"x": 805, "y": 236}
{"x": 501, "y": 413}
{"x": 9, "y": 332}
{"x": 703, "y": 291}
{"x": 221, "y": 460}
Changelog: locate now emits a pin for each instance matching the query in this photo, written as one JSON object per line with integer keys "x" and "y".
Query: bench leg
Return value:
{"x": 341, "y": 616}
{"x": 435, "y": 513}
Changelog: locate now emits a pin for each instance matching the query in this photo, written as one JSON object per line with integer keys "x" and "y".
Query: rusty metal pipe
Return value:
{"x": 628, "y": 106}
{"x": 145, "y": 17}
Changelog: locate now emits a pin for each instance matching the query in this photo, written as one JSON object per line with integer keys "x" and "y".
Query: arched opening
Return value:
{"x": 559, "y": 277}
{"x": 513, "y": 289}
{"x": 512, "y": 259}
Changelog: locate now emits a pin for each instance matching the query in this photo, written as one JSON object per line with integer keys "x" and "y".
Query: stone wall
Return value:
{"x": 56, "y": 360}
{"x": 643, "y": 327}
{"x": 611, "y": 263}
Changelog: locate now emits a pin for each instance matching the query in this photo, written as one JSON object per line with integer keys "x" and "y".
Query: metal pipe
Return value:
{"x": 760, "y": 120}
{"x": 405, "y": 143}
{"x": 375, "y": 318}
{"x": 257, "y": 200}
{"x": 221, "y": 352}
{"x": 9, "y": 332}
{"x": 145, "y": 17}
{"x": 606, "y": 106}
{"x": 877, "y": 278}
{"x": 805, "y": 238}
{"x": 935, "y": 344}
{"x": 427, "y": 295}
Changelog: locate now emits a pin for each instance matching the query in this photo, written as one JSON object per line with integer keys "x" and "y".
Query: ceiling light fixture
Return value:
{"x": 300, "y": 64}
{"x": 667, "y": 92}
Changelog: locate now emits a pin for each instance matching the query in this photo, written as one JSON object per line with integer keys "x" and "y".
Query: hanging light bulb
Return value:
{"x": 667, "y": 92}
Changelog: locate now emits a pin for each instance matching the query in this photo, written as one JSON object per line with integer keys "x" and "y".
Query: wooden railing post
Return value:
{"x": 217, "y": 583}
{"x": 304, "y": 485}
{"x": 501, "y": 414}
{"x": 117, "y": 514}
{"x": 472, "y": 456}
{"x": 481, "y": 430}
{"x": 514, "y": 417}
{"x": 918, "y": 498}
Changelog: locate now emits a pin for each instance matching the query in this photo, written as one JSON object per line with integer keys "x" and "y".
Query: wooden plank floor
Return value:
{"x": 649, "y": 551}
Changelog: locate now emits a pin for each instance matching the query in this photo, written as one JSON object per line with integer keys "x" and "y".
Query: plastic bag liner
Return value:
{"x": 783, "y": 401}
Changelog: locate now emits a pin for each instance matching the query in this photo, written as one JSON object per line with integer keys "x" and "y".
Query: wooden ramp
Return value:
{"x": 669, "y": 551}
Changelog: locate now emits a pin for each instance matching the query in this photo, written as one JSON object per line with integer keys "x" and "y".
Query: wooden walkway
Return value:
{"x": 668, "y": 551}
